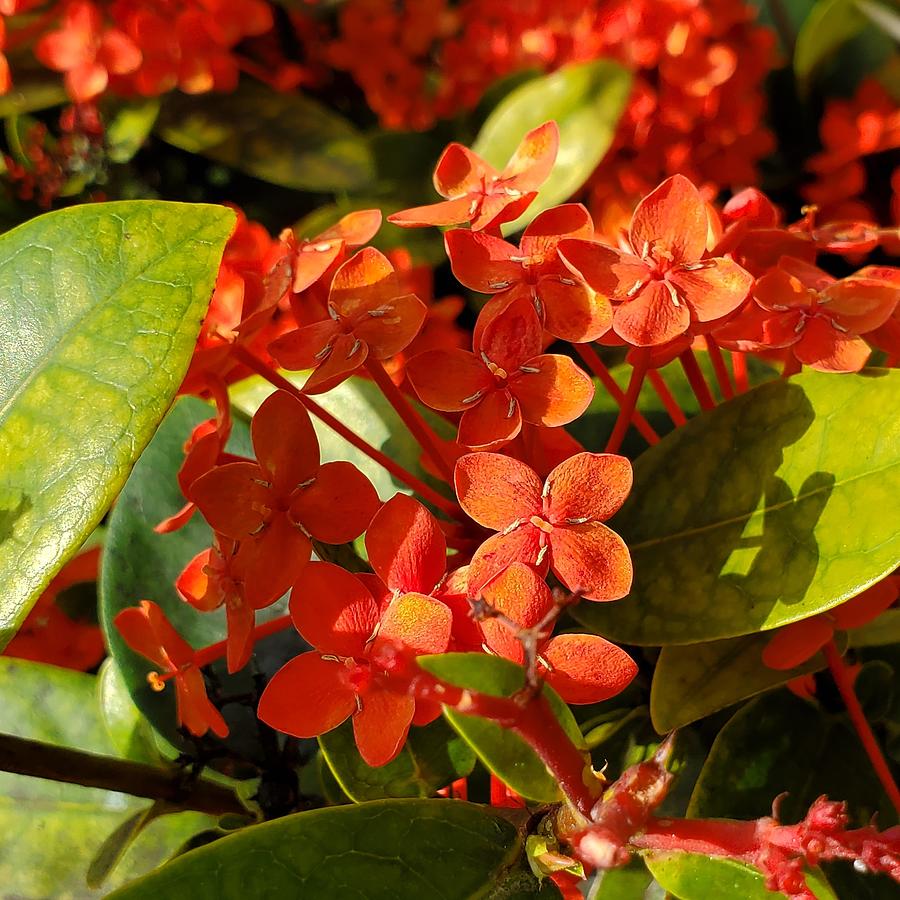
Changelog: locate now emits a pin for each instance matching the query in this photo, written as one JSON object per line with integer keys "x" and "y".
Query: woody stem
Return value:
{"x": 696, "y": 380}
{"x": 417, "y": 426}
{"x": 206, "y": 655}
{"x": 629, "y": 401}
{"x": 401, "y": 474}
{"x": 739, "y": 367}
{"x": 854, "y": 709}
{"x": 596, "y": 365}
{"x": 658, "y": 383}
{"x": 719, "y": 367}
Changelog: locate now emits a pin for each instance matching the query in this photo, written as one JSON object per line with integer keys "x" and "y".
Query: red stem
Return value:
{"x": 676, "y": 413}
{"x": 596, "y": 365}
{"x": 739, "y": 367}
{"x": 417, "y": 426}
{"x": 719, "y": 367}
{"x": 845, "y": 686}
{"x": 629, "y": 402}
{"x": 426, "y": 491}
{"x": 206, "y": 655}
{"x": 696, "y": 380}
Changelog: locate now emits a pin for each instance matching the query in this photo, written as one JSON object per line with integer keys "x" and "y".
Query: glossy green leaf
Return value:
{"x": 52, "y": 831}
{"x": 128, "y": 730}
{"x": 432, "y": 757}
{"x": 287, "y": 139}
{"x": 758, "y": 513}
{"x": 630, "y": 882}
{"x": 502, "y": 751}
{"x": 830, "y": 24}
{"x": 101, "y": 305}
{"x": 884, "y": 630}
{"x": 694, "y": 681}
{"x": 384, "y": 850}
{"x": 585, "y": 99}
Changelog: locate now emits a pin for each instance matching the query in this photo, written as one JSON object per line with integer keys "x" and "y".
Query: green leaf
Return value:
{"x": 697, "y": 680}
{"x": 586, "y": 100}
{"x": 884, "y": 630}
{"x": 52, "y": 831}
{"x": 384, "y": 850}
{"x": 101, "y": 305}
{"x": 692, "y": 876}
{"x": 128, "y": 730}
{"x": 830, "y": 24}
{"x": 31, "y": 92}
{"x": 758, "y": 513}
{"x": 502, "y": 751}
{"x": 129, "y": 128}
{"x": 286, "y": 139}
{"x": 630, "y": 882}
{"x": 432, "y": 757}
{"x": 884, "y": 15}
{"x": 117, "y": 843}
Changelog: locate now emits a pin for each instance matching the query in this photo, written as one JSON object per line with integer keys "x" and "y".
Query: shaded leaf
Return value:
{"x": 829, "y": 24}
{"x": 129, "y": 128}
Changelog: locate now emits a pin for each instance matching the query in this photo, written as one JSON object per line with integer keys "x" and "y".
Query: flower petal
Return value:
{"x": 346, "y": 355}
{"x": 194, "y": 585}
{"x": 240, "y": 618}
{"x": 512, "y": 336}
{"x": 233, "y": 499}
{"x": 302, "y": 348}
{"x": 612, "y": 273}
{"x": 307, "y": 697}
{"x": 272, "y": 562}
{"x": 285, "y": 442}
{"x": 671, "y": 222}
{"x": 195, "y": 711}
{"x": 592, "y": 559}
{"x": 338, "y": 506}
{"x": 381, "y": 726}
{"x": 522, "y": 596}
{"x": 333, "y": 610}
{"x": 542, "y": 236}
{"x": 491, "y": 422}
{"x": 460, "y": 171}
{"x": 312, "y": 261}
{"x": 585, "y": 668}
{"x": 865, "y": 607}
{"x": 450, "y": 212}
{"x": 354, "y": 229}
{"x": 522, "y": 545}
{"x": 590, "y": 486}
{"x": 533, "y": 160}
{"x": 572, "y": 310}
{"x": 496, "y": 490}
{"x": 556, "y": 394}
{"x": 865, "y": 300}
{"x": 392, "y": 325}
{"x": 406, "y": 546}
{"x": 448, "y": 379}
{"x": 714, "y": 290}
{"x": 481, "y": 261}
{"x": 651, "y": 317}
{"x": 795, "y": 643}
{"x": 417, "y": 622}
{"x": 824, "y": 348}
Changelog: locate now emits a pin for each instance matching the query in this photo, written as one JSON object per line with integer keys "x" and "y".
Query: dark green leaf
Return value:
{"x": 117, "y": 843}
{"x": 384, "y": 850}
{"x": 284, "y": 138}
{"x": 758, "y": 513}
{"x": 830, "y": 24}
{"x": 629, "y": 882}
{"x": 32, "y": 91}
{"x": 101, "y": 305}
{"x": 884, "y": 630}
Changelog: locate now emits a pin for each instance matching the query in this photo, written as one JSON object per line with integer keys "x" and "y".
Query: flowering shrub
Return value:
{"x": 537, "y": 539}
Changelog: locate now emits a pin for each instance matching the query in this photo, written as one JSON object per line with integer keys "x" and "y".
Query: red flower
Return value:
{"x": 147, "y": 631}
{"x": 558, "y": 523}
{"x": 477, "y": 193}
{"x": 286, "y": 499}
{"x": 509, "y": 380}
{"x": 368, "y": 313}
{"x": 316, "y": 691}
{"x": 566, "y": 306}
{"x": 582, "y": 668}
{"x": 665, "y": 284}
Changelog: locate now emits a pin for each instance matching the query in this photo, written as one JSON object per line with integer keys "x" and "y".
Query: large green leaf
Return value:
{"x": 503, "y": 752}
{"x": 586, "y": 100}
{"x": 284, "y": 138}
{"x": 759, "y": 513}
{"x": 696, "y": 680}
{"x": 830, "y": 24}
{"x": 101, "y": 307}
{"x": 51, "y": 831}
{"x": 431, "y": 758}
{"x": 384, "y": 850}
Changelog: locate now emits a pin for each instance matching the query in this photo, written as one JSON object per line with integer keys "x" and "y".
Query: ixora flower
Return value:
{"x": 479, "y": 195}
{"x": 505, "y": 382}
{"x": 317, "y": 691}
{"x": 665, "y": 282}
{"x": 147, "y": 631}
{"x": 582, "y": 668}
{"x": 558, "y": 523}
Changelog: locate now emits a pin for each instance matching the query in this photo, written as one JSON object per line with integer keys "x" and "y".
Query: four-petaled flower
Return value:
{"x": 557, "y": 523}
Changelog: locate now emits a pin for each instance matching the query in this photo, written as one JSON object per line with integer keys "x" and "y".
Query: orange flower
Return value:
{"x": 479, "y": 195}
{"x": 558, "y": 523}
{"x": 666, "y": 283}
{"x": 316, "y": 691}
{"x": 368, "y": 313}
{"x": 147, "y": 631}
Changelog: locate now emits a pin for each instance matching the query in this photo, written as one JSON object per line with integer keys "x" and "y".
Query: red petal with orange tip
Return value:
{"x": 496, "y": 490}
{"x": 501, "y": 550}
{"x": 302, "y": 348}
{"x": 176, "y": 520}
{"x": 542, "y": 236}
{"x": 572, "y": 310}
{"x": 362, "y": 281}
{"x": 381, "y": 726}
{"x": 355, "y": 229}
{"x": 522, "y": 596}
{"x": 498, "y": 208}
{"x": 460, "y": 171}
{"x": 778, "y": 289}
{"x": 333, "y": 610}
{"x": 557, "y": 393}
{"x": 449, "y": 212}
{"x": 824, "y": 348}
{"x": 284, "y": 441}
{"x": 612, "y": 273}
{"x": 670, "y": 224}
{"x": 392, "y": 325}
{"x": 307, "y": 697}
{"x": 512, "y": 336}
{"x": 233, "y": 498}
{"x": 194, "y": 709}
{"x": 338, "y": 506}
{"x": 193, "y": 584}
{"x": 865, "y": 300}
{"x": 416, "y": 622}
{"x": 346, "y": 355}
{"x": 481, "y": 261}
{"x": 272, "y": 561}
{"x": 406, "y": 546}
{"x": 147, "y": 631}
{"x": 651, "y": 317}
{"x": 449, "y": 379}
{"x": 585, "y": 668}
{"x": 591, "y": 559}
{"x": 312, "y": 261}
{"x": 868, "y": 605}
{"x": 714, "y": 290}
{"x": 532, "y": 163}
{"x": 590, "y": 486}
{"x": 491, "y": 422}
{"x": 795, "y": 643}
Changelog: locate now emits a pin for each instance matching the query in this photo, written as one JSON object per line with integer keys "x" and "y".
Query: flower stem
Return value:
{"x": 417, "y": 426}
{"x": 739, "y": 367}
{"x": 596, "y": 365}
{"x": 854, "y": 709}
{"x": 629, "y": 401}
{"x": 401, "y": 474}
{"x": 719, "y": 367}
{"x": 696, "y": 380}
{"x": 676, "y": 413}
